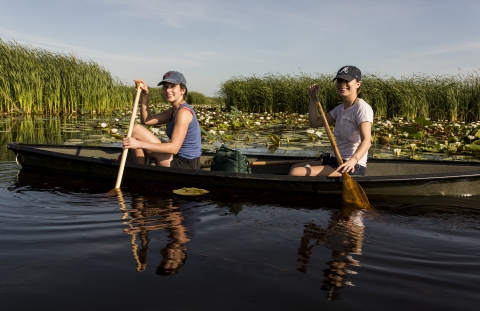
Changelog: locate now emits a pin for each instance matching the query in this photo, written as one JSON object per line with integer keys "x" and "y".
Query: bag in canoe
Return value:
{"x": 229, "y": 160}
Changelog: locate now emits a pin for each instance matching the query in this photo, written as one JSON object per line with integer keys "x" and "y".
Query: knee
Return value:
{"x": 297, "y": 171}
{"x": 137, "y": 130}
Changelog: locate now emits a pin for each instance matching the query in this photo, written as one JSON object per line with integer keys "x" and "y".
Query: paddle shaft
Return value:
{"x": 129, "y": 134}
{"x": 330, "y": 135}
{"x": 277, "y": 162}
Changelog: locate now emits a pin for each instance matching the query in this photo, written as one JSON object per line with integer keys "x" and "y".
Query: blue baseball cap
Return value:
{"x": 174, "y": 77}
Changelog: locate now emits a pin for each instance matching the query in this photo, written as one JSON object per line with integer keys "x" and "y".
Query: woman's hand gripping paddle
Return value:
{"x": 352, "y": 192}
{"x": 129, "y": 134}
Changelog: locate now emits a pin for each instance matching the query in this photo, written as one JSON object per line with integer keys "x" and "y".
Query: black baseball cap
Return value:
{"x": 174, "y": 77}
{"x": 348, "y": 73}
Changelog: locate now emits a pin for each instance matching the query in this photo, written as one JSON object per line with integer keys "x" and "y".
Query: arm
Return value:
{"x": 366, "y": 138}
{"x": 314, "y": 118}
{"x": 145, "y": 116}
{"x": 182, "y": 120}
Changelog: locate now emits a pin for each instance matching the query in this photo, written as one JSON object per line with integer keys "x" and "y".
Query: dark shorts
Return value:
{"x": 360, "y": 170}
{"x": 180, "y": 162}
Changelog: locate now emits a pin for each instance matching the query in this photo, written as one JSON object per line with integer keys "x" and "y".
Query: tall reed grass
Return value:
{"x": 35, "y": 81}
{"x": 436, "y": 97}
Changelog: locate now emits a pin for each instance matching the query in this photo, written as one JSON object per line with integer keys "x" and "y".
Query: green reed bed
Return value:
{"x": 436, "y": 97}
{"x": 34, "y": 80}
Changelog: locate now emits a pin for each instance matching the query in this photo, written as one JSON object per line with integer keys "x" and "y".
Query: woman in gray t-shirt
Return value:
{"x": 353, "y": 123}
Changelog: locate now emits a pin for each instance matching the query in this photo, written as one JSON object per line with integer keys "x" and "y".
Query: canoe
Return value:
{"x": 269, "y": 172}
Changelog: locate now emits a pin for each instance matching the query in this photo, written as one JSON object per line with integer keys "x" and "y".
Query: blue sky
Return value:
{"x": 210, "y": 41}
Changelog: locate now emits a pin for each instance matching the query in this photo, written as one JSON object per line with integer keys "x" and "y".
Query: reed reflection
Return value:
{"x": 344, "y": 237}
{"x": 150, "y": 214}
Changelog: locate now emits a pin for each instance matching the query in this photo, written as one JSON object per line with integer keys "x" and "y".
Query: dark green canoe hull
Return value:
{"x": 385, "y": 177}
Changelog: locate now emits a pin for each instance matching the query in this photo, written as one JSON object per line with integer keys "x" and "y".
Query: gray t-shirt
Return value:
{"x": 347, "y": 128}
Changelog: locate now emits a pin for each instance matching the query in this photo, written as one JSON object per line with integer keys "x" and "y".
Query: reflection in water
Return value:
{"x": 148, "y": 214}
{"x": 344, "y": 237}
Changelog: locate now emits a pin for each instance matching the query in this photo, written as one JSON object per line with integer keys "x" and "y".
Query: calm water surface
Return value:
{"x": 68, "y": 244}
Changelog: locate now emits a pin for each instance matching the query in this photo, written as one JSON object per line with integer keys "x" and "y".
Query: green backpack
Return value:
{"x": 229, "y": 160}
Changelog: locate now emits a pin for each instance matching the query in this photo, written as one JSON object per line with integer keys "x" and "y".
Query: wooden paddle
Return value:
{"x": 352, "y": 192}
{"x": 129, "y": 134}
{"x": 276, "y": 162}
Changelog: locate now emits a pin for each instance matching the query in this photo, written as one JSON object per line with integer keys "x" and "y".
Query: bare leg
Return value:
{"x": 313, "y": 168}
{"x": 141, "y": 156}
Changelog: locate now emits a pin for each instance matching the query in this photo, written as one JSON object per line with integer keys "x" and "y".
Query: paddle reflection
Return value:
{"x": 150, "y": 214}
{"x": 344, "y": 237}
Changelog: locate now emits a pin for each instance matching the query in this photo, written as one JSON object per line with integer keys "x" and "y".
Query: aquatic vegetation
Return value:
{"x": 36, "y": 81}
{"x": 428, "y": 96}
{"x": 414, "y": 138}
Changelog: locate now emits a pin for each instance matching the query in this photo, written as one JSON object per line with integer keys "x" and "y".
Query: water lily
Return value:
{"x": 318, "y": 133}
{"x": 310, "y": 131}
{"x": 213, "y": 132}
{"x": 397, "y": 151}
{"x": 114, "y": 131}
{"x": 103, "y": 125}
{"x": 413, "y": 146}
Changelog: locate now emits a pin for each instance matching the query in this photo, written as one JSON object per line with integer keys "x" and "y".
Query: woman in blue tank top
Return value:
{"x": 185, "y": 147}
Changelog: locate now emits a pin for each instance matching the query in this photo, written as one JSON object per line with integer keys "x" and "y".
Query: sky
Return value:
{"x": 211, "y": 41}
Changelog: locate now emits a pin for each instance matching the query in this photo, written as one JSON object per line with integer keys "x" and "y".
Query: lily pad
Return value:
{"x": 190, "y": 191}
{"x": 426, "y": 149}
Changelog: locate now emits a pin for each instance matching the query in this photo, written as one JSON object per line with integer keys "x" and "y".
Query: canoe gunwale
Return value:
{"x": 314, "y": 184}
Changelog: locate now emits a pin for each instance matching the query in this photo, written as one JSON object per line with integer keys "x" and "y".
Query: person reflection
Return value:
{"x": 148, "y": 216}
{"x": 344, "y": 237}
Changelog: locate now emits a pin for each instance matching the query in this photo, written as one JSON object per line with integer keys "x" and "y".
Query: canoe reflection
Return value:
{"x": 150, "y": 214}
{"x": 344, "y": 237}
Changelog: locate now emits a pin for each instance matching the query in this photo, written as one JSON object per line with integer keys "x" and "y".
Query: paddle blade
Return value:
{"x": 353, "y": 193}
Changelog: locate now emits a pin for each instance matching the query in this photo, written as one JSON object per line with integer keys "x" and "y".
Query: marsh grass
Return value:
{"x": 436, "y": 97}
{"x": 35, "y": 81}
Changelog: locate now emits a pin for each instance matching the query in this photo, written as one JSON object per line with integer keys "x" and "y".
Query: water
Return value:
{"x": 67, "y": 244}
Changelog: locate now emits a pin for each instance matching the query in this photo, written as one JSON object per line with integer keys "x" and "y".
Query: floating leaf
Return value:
{"x": 409, "y": 130}
{"x": 190, "y": 191}
{"x": 117, "y": 136}
{"x": 423, "y": 121}
{"x": 473, "y": 147}
{"x": 294, "y": 140}
{"x": 427, "y": 149}
{"x": 275, "y": 139}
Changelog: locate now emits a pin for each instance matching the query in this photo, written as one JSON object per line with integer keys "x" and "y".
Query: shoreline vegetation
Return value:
{"x": 454, "y": 98}
{"x": 36, "y": 81}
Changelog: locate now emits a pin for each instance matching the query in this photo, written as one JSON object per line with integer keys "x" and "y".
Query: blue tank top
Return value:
{"x": 192, "y": 145}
